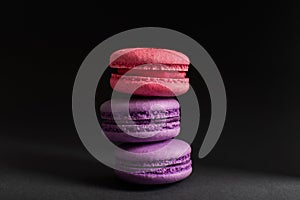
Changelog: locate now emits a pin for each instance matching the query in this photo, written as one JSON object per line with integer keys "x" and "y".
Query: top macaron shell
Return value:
{"x": 149, "y": 72}
{"x": 140, "y": 108}
{"x": 139, "y": 56}
{"x": 155, "y": 153}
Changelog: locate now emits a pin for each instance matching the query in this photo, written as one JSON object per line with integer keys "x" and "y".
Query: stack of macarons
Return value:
{"x": 145, "y": 125}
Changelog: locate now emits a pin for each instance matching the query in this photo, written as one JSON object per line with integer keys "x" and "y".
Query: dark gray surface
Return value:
{"x": 42, "y": 171}
{"x": 256, "y": 48}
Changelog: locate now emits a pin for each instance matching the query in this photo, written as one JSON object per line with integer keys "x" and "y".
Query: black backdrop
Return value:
{"x": 256, "y": 48}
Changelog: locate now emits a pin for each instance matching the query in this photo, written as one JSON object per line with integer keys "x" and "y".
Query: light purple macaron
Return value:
{"x": 154, "y": 163}
{"x": 140, "y": 119}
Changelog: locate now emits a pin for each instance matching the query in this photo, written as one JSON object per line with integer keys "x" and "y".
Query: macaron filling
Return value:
{"x": 152, "y": 70}
{"x": 139, "y": 128}
{"x": 152, "y": 73}
{"x": 140, "y": 115}
{"x": 140, "y": 121}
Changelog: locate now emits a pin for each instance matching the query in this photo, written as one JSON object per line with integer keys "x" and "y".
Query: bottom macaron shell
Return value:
{"x": 146, "y": 86}
{"x": 152, "y": 179}
{"x": 124, "y": 137}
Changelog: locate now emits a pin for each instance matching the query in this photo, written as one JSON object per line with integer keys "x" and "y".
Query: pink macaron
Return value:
{"x": 149, "y": 72}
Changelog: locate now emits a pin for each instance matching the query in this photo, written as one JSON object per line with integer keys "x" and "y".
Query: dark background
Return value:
{"x": 256, "y": 48}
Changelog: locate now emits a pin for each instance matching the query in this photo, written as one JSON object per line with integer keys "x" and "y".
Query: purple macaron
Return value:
{"x": 154, "y": 163}
{"x": 140, "y": 119}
